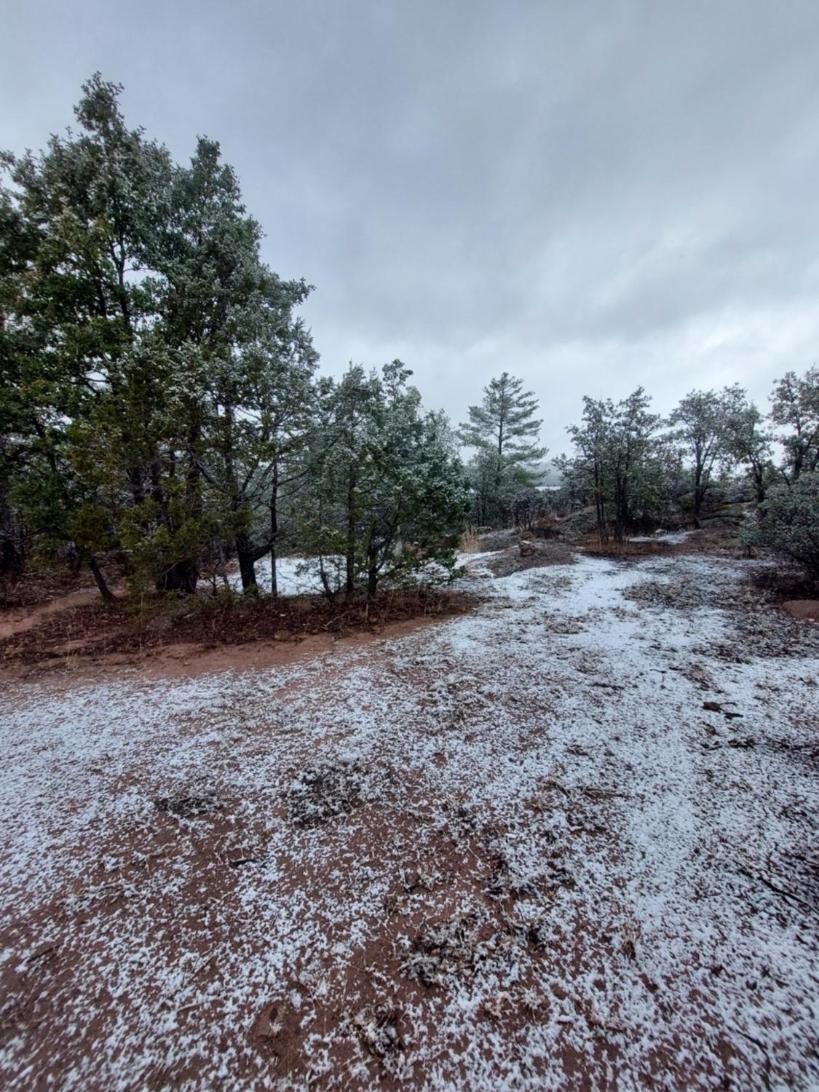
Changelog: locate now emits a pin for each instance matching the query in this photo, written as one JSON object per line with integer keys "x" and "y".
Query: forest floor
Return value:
{"x": 567, "y": 839}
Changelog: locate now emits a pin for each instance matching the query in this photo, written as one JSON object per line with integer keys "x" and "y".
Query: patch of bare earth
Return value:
{"x": 565, "y": 840}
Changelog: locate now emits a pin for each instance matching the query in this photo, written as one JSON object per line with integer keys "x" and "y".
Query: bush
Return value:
{"x": 789, "y": 522}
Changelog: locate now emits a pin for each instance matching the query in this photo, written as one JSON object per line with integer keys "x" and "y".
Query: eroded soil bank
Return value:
{"x": 567, "y": 839}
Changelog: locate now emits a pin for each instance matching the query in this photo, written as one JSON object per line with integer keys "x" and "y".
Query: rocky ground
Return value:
{"x": 567, "y": 839}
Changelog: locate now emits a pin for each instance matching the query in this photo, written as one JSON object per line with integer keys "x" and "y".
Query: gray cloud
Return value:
{"x": 590, "y": 195}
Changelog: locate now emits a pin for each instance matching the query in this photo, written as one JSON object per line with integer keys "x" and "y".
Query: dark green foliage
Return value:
{"x": 151, "y": 361}
{"x": 503, "y": 431}
{"x": 159, "y": 396}
{"x": 789, "y": 522}
{"x": 620, "y": 466}
{"x": 711, "y": 427}
{"x": 795, "y": 409}
{"x": 386, "y": 497}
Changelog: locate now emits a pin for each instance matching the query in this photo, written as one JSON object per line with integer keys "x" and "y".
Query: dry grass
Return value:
{"x": 470, "y": 542}
{"x": 37, "y": 586}
{"x": 152, "y": 622}
{"x": 592, "y": 546}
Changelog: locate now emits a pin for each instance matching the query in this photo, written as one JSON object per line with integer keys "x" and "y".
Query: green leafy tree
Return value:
{"x": 749, "y": 444}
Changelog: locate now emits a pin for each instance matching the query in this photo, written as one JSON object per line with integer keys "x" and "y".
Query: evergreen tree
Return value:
{"x": 503, "y": 431}
{"x": 387, "y": 497}
{"x": 88, "y": 204}
{"x": 701, "y": 423}
{"x": 749, "y": 444}
{"x": 788, "y": 522}
{"x": 620, "y": 464}
{"x": 142, "y": 336}
{"x": 19, "y": 347}
{"x": 259, "y": 415}
{"x": 795, "y": 409}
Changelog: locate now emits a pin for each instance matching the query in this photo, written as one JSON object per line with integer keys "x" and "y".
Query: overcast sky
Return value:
{"x": 589, "y": 195}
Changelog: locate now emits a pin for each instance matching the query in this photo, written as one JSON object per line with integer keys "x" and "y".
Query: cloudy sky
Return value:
{"x": 590, "y": 195}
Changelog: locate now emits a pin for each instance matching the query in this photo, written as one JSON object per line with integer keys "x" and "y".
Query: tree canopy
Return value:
{"x": 160, "y": 397}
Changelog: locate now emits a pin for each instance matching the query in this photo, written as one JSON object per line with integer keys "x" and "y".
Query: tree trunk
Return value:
{"x": 700, "y": 487}
{"x": 136, "y": 484}
{"x": 697, "y": 506}
{"x": 11, "y": 552}
{"x": 759, "y": 483}
{"x": 11, "y": 562}
{"x": 181, "y": 576}
{"x": 349, "y": 585}
{"x": 621, "y": 509}
{"x": 600, "y": 506}
{"x": 372, "y": 568}
{"x": 99, "y": 579}
{"x": 372, "y": 581}
{"x": 274, "y": 528}
{"x": 325, "y": 582}
{"x": 247, "y": 566}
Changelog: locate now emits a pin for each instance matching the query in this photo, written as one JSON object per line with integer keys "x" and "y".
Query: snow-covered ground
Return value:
{"x": 671, "y": 538}
{"x": 294, "y": 576}
{"x": 565, "y": 841}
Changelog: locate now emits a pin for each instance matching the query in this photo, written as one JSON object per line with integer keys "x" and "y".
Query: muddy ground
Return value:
{"x": 565, "y": 839}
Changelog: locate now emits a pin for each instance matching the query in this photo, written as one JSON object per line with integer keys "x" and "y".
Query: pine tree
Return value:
{"x": 88, "y": 204}
{"x": 503, "y": 431}
{"x": 158, "y": 368}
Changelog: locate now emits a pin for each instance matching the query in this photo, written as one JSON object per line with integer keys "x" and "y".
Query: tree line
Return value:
{"x": 161, "y": 403}
{"x": 632, "y": 463}
{"x": 637, "y": 469}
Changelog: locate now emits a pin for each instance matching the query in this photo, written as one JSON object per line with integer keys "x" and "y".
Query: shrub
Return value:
{"x": 789, "y": 522}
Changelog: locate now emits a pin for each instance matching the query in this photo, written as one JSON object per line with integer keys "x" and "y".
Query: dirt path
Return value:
{"x": 566, "y": 841}
{"x": 22, "y": 619}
